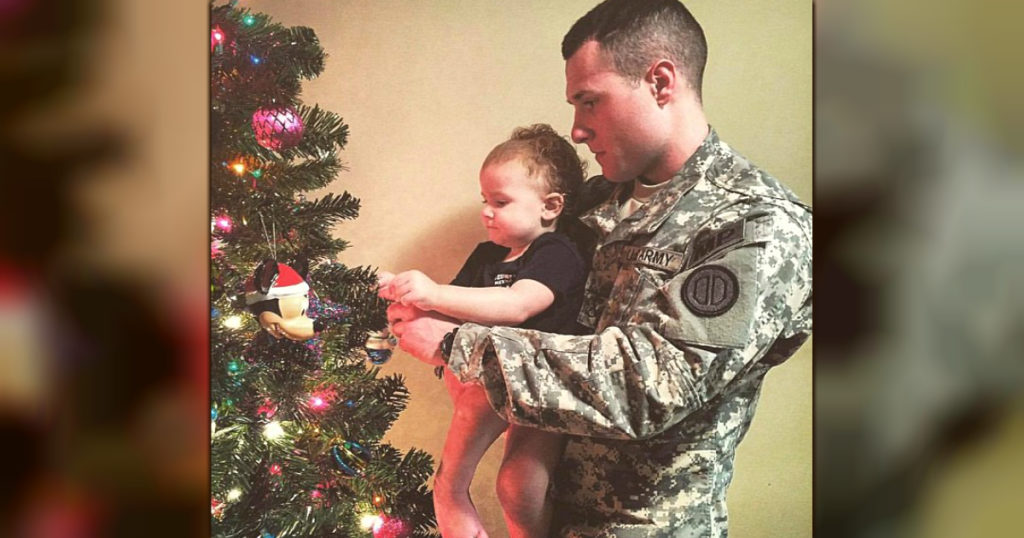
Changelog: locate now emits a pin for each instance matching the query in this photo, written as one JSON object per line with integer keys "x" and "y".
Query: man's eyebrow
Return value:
{"x": 577, "y": 96}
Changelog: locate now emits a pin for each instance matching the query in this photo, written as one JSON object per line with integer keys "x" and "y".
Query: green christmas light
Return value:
{"x": 249, "y": 20}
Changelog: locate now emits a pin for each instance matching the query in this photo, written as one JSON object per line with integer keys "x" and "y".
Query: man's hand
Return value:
{"x": 414, "y": 288}
{"x": 419, "y": 332}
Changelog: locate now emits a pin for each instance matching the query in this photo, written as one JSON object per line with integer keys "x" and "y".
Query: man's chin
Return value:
{"x": 615, "y": 176}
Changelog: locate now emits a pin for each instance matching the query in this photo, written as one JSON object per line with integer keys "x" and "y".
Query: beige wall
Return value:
{"x": 429, "y": 87}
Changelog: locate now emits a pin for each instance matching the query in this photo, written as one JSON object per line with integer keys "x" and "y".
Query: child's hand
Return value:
{"x": 414, "y": 288}
{"x": 384, "y": 279}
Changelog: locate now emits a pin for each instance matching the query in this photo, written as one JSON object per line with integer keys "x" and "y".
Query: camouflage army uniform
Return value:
{"x": 692, "y": 299}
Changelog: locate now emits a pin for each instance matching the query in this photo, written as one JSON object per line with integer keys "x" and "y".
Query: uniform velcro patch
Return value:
{"x": 710, "y": 290}
{"x": 666, "y": 260}
{"x": 707, "y": 243}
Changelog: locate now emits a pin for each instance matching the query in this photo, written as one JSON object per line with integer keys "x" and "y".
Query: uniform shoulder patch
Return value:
{"x": 707, "y": 243}
{"x": 710, "y": 290}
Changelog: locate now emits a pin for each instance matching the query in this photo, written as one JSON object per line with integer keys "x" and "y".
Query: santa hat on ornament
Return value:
{"x": 273, "y": 280}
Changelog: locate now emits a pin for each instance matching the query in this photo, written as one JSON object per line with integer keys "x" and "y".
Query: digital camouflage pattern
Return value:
{"x": 658, "y": 398}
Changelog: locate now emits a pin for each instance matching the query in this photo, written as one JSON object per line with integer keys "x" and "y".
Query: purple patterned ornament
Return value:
{"x": 277, "y": 128}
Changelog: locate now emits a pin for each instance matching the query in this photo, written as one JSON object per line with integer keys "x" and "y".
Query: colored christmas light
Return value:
{"x": 223, "y": 223}
{"x": 216, "y": 38}
{"x": 321, "y": 399}
{"x": 317, "y": 403}
{"x": 275, "y": 469}
{"x": 238, "y": 167}
{"x": 216, "y": 508}
{"x": 248, "y": 20}
{"x": 268, "y": 408}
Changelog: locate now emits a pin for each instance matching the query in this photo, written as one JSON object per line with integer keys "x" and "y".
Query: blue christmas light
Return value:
{"x": 248, "y": 20}
{"x": 213, "y": 413}
{"x": 255, "y": 59}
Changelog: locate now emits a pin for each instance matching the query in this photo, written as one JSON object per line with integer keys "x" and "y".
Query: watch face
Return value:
{"x": 446, "y": 344}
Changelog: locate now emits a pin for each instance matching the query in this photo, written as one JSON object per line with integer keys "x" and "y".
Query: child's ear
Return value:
{"x": 553, "y": 205}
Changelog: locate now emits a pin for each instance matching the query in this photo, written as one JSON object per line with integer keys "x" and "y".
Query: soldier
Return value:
{"x": 701, "y": 283}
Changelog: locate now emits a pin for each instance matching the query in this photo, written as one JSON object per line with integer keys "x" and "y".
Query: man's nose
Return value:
{"x": 579, "y": 133}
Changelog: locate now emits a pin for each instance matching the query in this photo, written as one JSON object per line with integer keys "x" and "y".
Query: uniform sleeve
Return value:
{"x": 556, "y": 264}
{"x": 636, "y": 380}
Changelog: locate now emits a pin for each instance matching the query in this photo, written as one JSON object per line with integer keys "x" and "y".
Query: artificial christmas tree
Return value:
{"x": 298, "y": 408}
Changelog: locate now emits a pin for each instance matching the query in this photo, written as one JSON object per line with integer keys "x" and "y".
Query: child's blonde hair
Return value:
{"x": 546, "y": 155}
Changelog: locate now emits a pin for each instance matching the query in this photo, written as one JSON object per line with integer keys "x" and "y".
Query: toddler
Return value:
{"x": 530, "y": 275}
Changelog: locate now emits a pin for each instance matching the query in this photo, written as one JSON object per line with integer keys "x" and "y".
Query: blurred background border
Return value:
{"x": 919, "y": 419}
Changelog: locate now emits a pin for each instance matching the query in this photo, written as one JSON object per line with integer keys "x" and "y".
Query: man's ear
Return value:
{"x": 554, "y": 203}
{"x": 664, "y": 80}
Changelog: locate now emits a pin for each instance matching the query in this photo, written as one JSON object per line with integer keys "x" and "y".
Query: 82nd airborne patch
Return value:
{"x": 710, "y": 290}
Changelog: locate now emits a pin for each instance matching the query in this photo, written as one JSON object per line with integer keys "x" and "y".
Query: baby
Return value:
{"x": 530, "y": 275}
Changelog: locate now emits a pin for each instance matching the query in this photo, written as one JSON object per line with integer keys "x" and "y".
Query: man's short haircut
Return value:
{"x": 636, "y": 33}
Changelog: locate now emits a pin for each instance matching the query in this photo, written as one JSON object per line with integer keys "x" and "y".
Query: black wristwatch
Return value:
{"x": 446, "y": 345}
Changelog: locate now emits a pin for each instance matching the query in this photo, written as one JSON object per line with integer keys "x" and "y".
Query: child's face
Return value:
{"x": 514, "y": 204}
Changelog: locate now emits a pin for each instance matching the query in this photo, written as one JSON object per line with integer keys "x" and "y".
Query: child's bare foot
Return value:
{"x": 456, "y": 514}
{"x": 457, "y": 518}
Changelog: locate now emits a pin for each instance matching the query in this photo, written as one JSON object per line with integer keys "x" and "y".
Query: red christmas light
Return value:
{"x": 216, "y": 37}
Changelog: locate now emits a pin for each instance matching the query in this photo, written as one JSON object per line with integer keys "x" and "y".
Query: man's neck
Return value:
{"x": 690, "y": 133}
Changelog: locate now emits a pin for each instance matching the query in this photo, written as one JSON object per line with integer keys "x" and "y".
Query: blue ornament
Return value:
{"x": 213, "y": 413}
{"x": 378, "y": 356}
{"x": 351, "y": 457}
{"x": 379, "y": 345}
{"x": 267, "y": 535}
{"x": 214, "y": 313}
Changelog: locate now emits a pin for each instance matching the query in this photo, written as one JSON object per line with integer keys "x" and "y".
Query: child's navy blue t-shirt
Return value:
{"x": 552, "y": 259}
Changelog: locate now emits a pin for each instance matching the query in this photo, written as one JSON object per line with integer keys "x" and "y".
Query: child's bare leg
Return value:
{"x": 473, "y": 428}
{"x": 526, "y": 470}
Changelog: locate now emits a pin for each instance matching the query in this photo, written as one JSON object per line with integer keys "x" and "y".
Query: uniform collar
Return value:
{"x": 647, "y": 219}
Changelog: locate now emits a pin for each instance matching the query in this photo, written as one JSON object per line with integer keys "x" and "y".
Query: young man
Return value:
{"x": 701, "y": 283}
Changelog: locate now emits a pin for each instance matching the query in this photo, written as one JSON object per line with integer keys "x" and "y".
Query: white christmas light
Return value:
{"x": 273, "y": 430}
{"x": 234, "y": 494}
{"x": 369, "y": 521}
{"x": 233, "y": 322}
